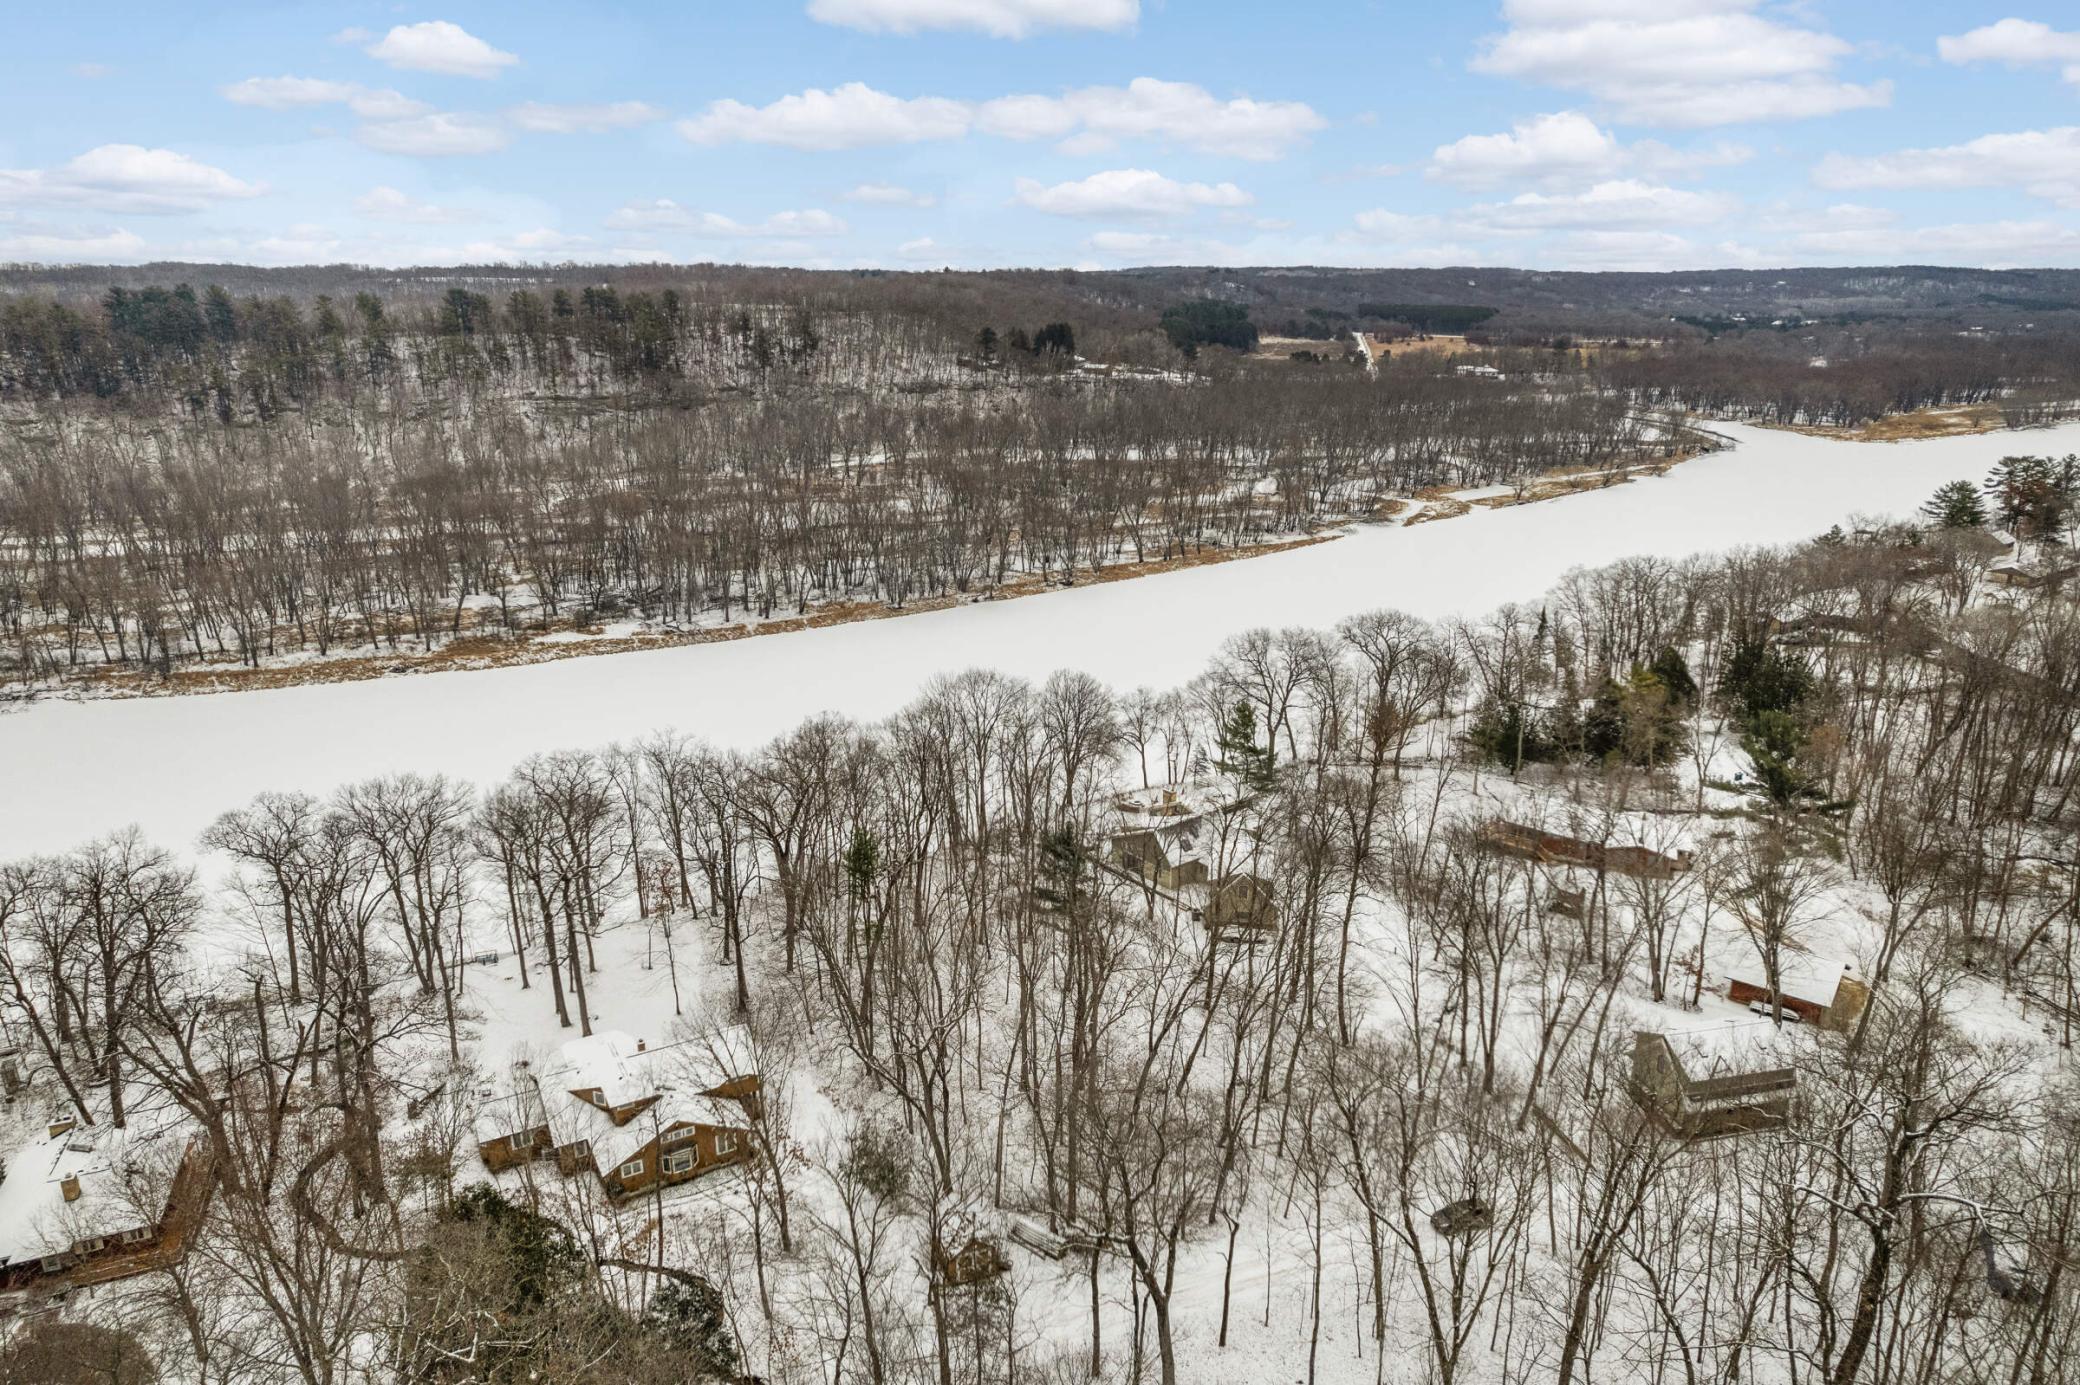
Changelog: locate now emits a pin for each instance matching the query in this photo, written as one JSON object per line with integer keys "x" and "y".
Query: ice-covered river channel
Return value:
{"x": 70, "y": 770}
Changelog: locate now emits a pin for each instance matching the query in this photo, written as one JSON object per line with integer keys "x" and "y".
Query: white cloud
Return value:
{"x": 126, "y": 178}
{"x": 541, "y": 244}
{"x": 1088, "y": 120}
{"x": 1131, "y": 242}
{"x": 2017, "y": 43}
{"x": 1094, "y": 118}
{"x": 664, "y": 214}
{"x": 438, "y": 134}
{"x": 353, "y": 34}
{"x": 567, "y": 120}
{"x": 1128, "y": 192}
{"x": 1002, "y": 18}
{"x": 1545, "y": 148}
{"x": 439, "y": 46}
{"x": 923, "y": 248}
{"x": 2043, "y": 163}
{"x": 290, "y": 93}
{"x": 1677, "y": 62}
{"x": 303, "y": 243}
{"x": 889, "y": 195}
{"x": 1619, "y": 204}
{"x": 1994, "y": 244}
{"x": 1398, "y": 225}
{"x": 852, "y": 116}
{"x": 1645, "y": 251}
{"x": 68, "y": 247}
{"x": 1563, "y": 148}
{"x": 389, "y": 204}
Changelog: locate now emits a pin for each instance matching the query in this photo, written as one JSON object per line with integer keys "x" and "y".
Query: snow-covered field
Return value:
{"x": 69, "y": 771}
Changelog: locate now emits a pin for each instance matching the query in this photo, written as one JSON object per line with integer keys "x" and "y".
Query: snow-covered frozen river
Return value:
{"x": 71, "y": 770}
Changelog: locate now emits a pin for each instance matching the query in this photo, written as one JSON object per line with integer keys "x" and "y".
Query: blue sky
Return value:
{"x": 1623, "y": 134}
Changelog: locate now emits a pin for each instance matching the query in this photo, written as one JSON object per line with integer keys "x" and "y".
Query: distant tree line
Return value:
{"x": 132, "y": 543}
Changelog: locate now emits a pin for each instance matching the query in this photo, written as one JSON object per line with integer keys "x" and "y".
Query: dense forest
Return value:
{"x": 189, "y": 476}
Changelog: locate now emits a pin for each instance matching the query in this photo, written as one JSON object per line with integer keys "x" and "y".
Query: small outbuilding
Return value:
{"x": 1826, "y": 995}
{"x": 1244, "y": 902}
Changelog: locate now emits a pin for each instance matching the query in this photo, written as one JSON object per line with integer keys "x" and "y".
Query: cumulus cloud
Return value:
{"x": 72, "y": 247}
{"x": 2043, "y": 163}
{"x": 1563, "y": 148}
{"x": 291, "y": 93}
{"x": 663, "y": 214}
{"x": 582, "y": 119}
{"x": 1095, "y": 118}
{"x": 1001, "y": 18}
{"x": 439, "y": 46}
{"x": 2017, "y": 43}
{"x": 1545, "y": 148}
{"x": 1128, "y": 192}
{"x": 1087, "y": 120}
{"x": 852, "y": 116}
{"x": 389, "y": 204}
{"x": 922, "y": 248}
{"x": 889, "y": 195}
{"x": 1677, "y": 62}
{"x": 1398, "y": 225}
{"x": 126, "y": 178}
{"x": 437, "y": 134}
{"x": 1622, "y": 203}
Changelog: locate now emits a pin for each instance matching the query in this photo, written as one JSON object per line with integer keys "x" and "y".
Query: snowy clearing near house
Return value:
{"x": 170, "y": 765}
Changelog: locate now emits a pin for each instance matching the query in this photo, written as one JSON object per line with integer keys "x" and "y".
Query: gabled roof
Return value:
{"x": 1800, "y": 975}
{"x": 1729, "y": 1048}
{"x": 626, "y": 1072}
{"x": 114, "y": 1172}
{"x": 512, "y": 1113}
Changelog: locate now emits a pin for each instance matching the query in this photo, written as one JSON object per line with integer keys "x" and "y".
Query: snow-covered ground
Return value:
{"x": 71, "y": 770}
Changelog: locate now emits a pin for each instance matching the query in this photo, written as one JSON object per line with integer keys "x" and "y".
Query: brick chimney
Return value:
{"x": 70, "y": 1187}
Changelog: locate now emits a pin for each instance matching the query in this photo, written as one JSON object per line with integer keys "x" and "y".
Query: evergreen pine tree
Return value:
{"x": 1241, "y": 756}
{"x": 1955, "y": 505}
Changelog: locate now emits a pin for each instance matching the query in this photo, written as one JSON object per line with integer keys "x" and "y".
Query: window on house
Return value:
{"x": 678, "y": 1161}
{"x": 725, "y": 1142}
{"x": 136, "y": 1234}
{"x": 89, "y": 1245}
{"x": 524, "y": 1140}
{"x": 632, "y": 1169}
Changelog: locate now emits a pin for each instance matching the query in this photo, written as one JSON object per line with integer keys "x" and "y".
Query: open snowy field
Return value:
{"x": 69, "y": 771}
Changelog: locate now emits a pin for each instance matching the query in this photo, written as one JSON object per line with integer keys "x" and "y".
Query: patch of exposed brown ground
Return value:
{"x": 1919, "y": 423}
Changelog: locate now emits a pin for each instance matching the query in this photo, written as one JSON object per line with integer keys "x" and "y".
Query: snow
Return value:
{"x": 170, "y": 765}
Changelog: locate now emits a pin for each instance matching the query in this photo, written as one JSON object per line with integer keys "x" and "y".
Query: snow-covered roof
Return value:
{"x": 612, "y": 1062}
{"x": 514, "y": 1112}
{"x": 626, "y": 1072}
{"x": 1800, "y": 975}
{"x": 117, "y": 1189}
{"x": 1730, "y": 1048}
